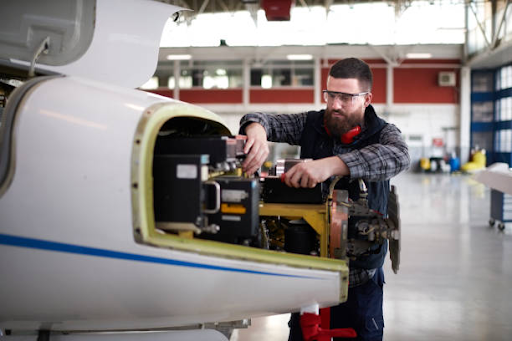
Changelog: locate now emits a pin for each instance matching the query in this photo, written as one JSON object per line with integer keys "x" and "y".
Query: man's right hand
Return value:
{"x": 256, "y": 148}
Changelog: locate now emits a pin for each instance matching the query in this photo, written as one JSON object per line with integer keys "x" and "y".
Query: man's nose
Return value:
{"x": 337, "y": 103}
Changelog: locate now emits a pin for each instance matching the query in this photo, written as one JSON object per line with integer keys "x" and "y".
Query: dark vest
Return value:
{"x": 317, "y": 144}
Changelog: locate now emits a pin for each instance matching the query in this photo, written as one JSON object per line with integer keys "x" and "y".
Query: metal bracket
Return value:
{"x": 43, "y": 48}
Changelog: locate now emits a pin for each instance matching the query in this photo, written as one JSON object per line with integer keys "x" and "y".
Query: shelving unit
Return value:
{"x": 501, "y": 208}
{"x": 491, "y": 128}
{"x": 482, "y": 111}
{"x": 491, "y": 113}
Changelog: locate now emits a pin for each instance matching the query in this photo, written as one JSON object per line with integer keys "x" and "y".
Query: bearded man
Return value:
{"x": 346, "y": 139}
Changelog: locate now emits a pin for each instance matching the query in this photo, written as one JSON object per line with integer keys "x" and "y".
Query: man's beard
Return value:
{"x": 340, "y": 125}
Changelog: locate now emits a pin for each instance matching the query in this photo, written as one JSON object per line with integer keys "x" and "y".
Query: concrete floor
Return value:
{"x": 455, "y": 278}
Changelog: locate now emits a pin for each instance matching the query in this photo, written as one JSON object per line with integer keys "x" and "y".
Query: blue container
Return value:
{"x": 454, "y": 164}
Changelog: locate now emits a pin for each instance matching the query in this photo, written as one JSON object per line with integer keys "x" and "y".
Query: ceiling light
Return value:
{"x": 420, "y": 55}
{"x": 179, "y": 57}
{"x": 299, "y": 57}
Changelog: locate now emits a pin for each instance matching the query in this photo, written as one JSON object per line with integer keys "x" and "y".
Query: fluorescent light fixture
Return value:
{"x": 299, "y": 57}
{"x": 179, "y": 57}
{"x": 420, "y": 55}
{"x": 266, "y": 81}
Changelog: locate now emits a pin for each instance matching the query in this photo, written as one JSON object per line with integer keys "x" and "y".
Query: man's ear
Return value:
{"x": 368, "y": 99}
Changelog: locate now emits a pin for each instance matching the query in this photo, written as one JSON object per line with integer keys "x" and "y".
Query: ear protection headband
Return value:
{"x": 348, "y": 137}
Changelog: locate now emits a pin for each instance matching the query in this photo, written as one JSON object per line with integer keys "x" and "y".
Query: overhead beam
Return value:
{"x": 482, "y": 29}
{"x": 203, "y": 6}
{"x": 503, "y": 19}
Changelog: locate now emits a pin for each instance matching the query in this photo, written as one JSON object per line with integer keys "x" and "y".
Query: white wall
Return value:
{"x": 419, "y": 123}
{"x": 429, "y": 121}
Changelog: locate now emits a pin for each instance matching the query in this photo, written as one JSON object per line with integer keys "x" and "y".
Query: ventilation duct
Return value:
{"x": 277, "y": 10}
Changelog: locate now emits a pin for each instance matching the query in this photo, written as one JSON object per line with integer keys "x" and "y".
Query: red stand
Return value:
{"x": 311, "y": 330}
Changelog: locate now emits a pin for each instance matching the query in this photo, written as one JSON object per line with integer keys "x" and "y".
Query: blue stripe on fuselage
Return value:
{"x": 90, "y": 251}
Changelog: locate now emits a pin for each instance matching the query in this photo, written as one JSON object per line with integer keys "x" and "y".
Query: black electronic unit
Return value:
{"x": 178, "y": 188}
{"x": 220, "y": 149}
{"x": 274, "y": 190}
{"x": 238, "y": 216}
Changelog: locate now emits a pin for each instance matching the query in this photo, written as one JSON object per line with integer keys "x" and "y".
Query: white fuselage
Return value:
{"x": 68, "y": 256}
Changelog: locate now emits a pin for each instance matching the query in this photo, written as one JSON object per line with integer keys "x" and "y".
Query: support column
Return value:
{"x": 389, "y": 86}
{"x": 317, "y": 82}
{"x": 176, "y": 71}
{"x": 465, "y": 114}
{"x": 246, "y": 84}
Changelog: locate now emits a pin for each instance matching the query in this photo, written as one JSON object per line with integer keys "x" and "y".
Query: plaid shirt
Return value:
{"x": 359, "y": 276}
{"x": 377, "y": 162}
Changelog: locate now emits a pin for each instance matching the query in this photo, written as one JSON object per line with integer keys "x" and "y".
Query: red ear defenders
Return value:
{"x": 348, "y": 137}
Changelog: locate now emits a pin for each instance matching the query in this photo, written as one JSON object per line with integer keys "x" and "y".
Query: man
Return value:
{"x": 347, "y": 139}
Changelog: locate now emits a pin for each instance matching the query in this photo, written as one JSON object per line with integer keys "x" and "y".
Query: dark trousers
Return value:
{"x": 362, "y": 311}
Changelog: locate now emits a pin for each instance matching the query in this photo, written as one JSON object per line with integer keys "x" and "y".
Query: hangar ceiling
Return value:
{"x": 276, "y": 9}
{"x": 497, "y": 48}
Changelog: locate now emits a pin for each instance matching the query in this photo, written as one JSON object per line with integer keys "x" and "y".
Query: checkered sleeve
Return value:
{"x": 381, "y": 161}
{"x": 357, "y": 277}
{"x": 279, "y": 127}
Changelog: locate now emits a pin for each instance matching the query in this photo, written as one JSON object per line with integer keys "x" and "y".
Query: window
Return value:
{"x": 504, "y": 109}
{"x": 504, "y": 79}
{"x": 482, "y": 82}
{"x": 504, "y": 141}
{"x": 482, "y": 111}
{"x": 275, "y": 74}
{"x": 504, "y": 101}
{"x": 482, "y": 140}
{"x": 210, "y": 74}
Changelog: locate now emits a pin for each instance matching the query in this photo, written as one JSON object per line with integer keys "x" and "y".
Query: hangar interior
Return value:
{"x": 432, "y": 83}
{"x": 447, "y": 86}
{"x": 84, "y": 158}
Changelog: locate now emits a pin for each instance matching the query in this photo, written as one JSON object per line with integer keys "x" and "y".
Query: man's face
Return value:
{"x": 344, "y": 112}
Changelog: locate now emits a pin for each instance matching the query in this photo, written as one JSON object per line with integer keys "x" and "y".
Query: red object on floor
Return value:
{"x": 311, "y": 330}
{"x": 325, "y": 315}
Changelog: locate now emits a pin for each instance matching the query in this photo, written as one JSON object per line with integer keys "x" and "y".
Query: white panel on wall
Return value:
{"x": 419, "y": 123}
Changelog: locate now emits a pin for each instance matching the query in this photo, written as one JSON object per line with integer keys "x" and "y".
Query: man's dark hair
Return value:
{"x": 353, "y": 68}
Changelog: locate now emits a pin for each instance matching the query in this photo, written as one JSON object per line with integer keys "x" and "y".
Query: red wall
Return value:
{"x": 379, "y": 85}
{"x": 234, "y": 96}
{"x": 415, "y": 81}
{"x": 229, "y": 96}
{"x": 281, "y": 95}
{"x": 163, "y": 92}
{"x": 418, "y": 85}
